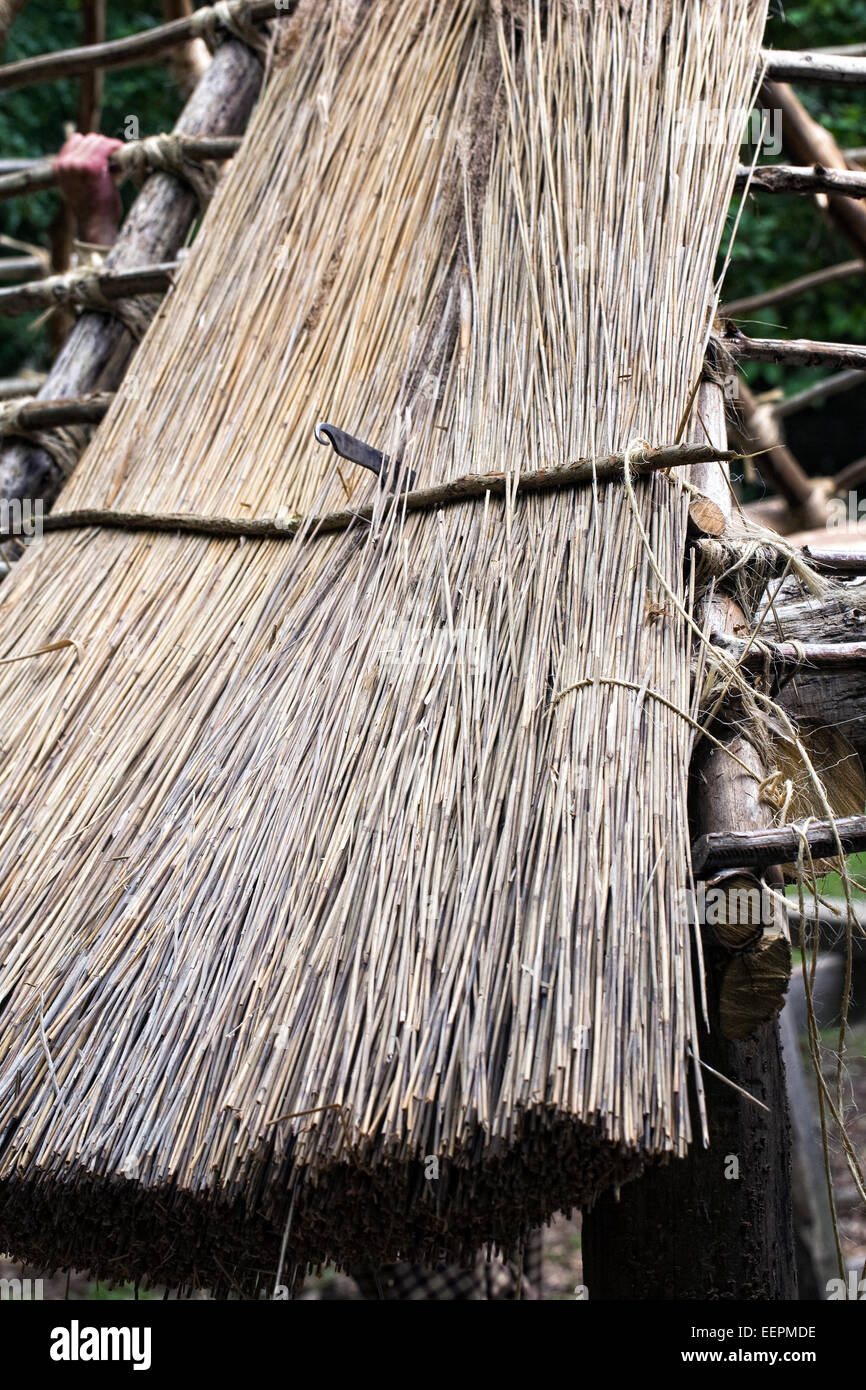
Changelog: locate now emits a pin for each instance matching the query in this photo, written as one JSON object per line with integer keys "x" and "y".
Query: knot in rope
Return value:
{"x": 166, "y": 153}
{"x": 10, "y": 415}
{"x": 81, "y": 289}
{"x": 232, "y": 17}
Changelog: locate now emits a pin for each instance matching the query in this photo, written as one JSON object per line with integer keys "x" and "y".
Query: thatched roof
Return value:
{"x": 324, "y": 860}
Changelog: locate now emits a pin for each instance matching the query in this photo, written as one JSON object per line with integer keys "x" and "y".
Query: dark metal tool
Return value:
{"x": 356, "y": 451}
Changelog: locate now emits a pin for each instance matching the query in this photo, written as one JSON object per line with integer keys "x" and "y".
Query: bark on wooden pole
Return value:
{"x": 718, "y": 1223}
{"x": 21, "y": 267}
{"x": 757, "y": 846}
{"x": 754, "y": 656}
{"x": 581, "y": 473}
{"x": 111, "y": 284}
{"x": 837, "y": 561}
{"x": 45, "y": 415}
{"x": 63, "y": 222}
{"x": 189, "y": 61}
{"x": 97, "y": 351}
{"x": 809, "y": 143}
{"x": 812, "y": 178}
{"x": 92, "y": 83}
{"x": 132, "y": 51}
{"x": 40, "y": 174}
{"x": 797, "y": 352}
{"x": 843, "y": 69}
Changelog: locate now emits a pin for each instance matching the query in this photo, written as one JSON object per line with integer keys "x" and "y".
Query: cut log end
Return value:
{"x": 706, "y": 518}
{"x": 736, "y": 919}
{"x": 753, "y": 987}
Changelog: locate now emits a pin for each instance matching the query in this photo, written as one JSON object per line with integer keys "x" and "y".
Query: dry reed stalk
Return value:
{"x": 313, "y": 828}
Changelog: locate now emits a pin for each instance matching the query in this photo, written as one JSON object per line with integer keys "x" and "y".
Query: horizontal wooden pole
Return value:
{"x": 45, "y": 415}
{"x": 779, "y": 294}
{"x": 789, "y": 613}
{"x": 797, "y": 178}
{"x": 831, "y": 917}
{"x": 786, "y": 66}
{"x": 21, "y": 267}
{"x": 782, "y": 65}
{"x": 11, "y": 387}
{"x": 836, "y": 561}
{"x": 754, "y": 654}
{"x": 471, "y": 485}
{"x": 757, "y": 849}
{"x": 796, "y": 352}
{"x": 122, "y": 53}
{"x": 831, "y": 386}
{"x": 843, "y": 49}
{"x": 849, "y": 478}
{"x": 61, "y": 289}
{"x": 98, "y": 349}
{"x": 41, "y": 174}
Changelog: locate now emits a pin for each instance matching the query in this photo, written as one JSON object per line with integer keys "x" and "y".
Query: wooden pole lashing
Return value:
{"x": 96, "y": 353}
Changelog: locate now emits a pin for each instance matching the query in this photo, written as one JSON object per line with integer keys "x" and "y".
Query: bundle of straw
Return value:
{"x": 341, "y": 875}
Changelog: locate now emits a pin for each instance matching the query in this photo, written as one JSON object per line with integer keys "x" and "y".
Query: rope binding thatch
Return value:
{"x": 584, "y": 473}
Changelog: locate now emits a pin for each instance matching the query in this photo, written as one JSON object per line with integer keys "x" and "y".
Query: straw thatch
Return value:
{"x": 393, "y": 821}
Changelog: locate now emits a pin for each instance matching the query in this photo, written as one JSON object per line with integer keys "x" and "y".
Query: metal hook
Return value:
{"x": 356, "y": 451}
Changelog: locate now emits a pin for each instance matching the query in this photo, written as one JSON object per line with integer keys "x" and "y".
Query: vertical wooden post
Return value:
{"x": 61, "y": 235}
{"x": 96, "y": 353}
{"x": 89, "y": 111}
{"x": 717, "y": 1224}
{"x": 813, "y": 1220}
{"x": 188, "y": 61}
{"x": 90, "y": 94}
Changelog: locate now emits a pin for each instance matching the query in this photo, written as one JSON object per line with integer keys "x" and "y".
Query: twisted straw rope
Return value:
{"x": 230, "y": 15}
{"x": 10, "y": 415}
{"x": 166, "y": 153}
{"x": 64, "y": 443}
{"x": 583, "y": 473}
{"x": 80, "y": 288}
